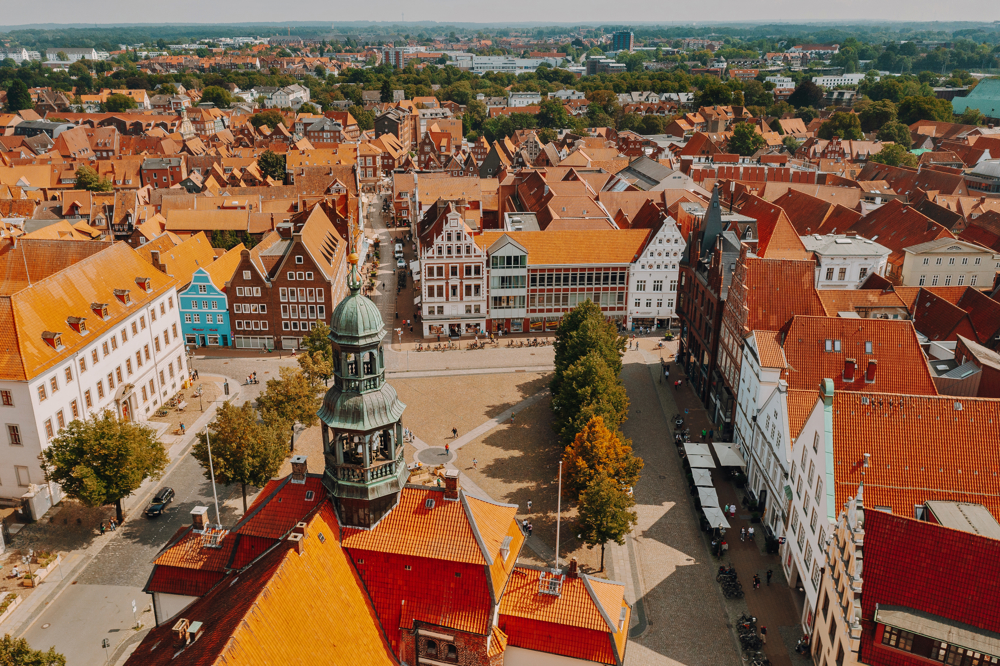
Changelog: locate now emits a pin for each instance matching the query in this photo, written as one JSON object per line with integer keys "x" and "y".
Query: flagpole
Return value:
{"x": 211, "y": 470}
{"x": 558, "y": 513}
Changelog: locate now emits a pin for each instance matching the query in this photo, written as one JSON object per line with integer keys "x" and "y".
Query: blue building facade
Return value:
{"x": 204, "y": 312}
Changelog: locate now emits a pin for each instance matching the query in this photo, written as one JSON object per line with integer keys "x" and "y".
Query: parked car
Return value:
{"x": 401, "y": 263}
{"x": 160, "y": 501}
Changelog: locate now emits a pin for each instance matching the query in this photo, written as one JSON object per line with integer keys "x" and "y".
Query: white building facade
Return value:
{"x": 653, "y": 278}
{"x": 453, "y": 289}
{"x": 845, "y": 262}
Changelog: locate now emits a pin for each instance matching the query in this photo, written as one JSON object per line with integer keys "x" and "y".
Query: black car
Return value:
{"x": 164, "y": 497}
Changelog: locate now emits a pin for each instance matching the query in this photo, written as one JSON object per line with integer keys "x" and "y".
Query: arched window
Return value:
{"x": 352, "y": 364}
{"x": 431, "y": 648}
{"x": 452, "y": 654}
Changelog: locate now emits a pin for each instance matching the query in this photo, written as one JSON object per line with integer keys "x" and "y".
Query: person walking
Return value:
{"x": 763, "y": 634}
{"x": 512, "y": 418}
{"x": 182, "y": 429}
{"x": 114, "y": 525}
{"x": 447, "y": 448}
{"x": 756, "y": 582}
{"x": 529, "y": 505}
{"x": 529, "y": 530}
{"x": 475, "y": 465}
{"x": 743, "y": 534}
{"x": 703, "y": 433}
{"x": 454, "y": 432}
{"x": 769, "y": 574}
{"x": 524, "y": 524}
{"x": 750, "y": 532}
{"x": 103, "y": 527}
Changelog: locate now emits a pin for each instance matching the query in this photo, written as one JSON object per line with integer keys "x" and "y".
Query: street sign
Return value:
{"x": 105, "y": 643}
{"x": 133, "y": 605}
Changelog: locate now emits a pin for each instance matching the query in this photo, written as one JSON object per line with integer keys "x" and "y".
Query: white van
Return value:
{"x": 398, "y": 252}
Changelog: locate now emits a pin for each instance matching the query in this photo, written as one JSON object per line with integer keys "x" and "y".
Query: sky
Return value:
{"x": 17, "y": 12}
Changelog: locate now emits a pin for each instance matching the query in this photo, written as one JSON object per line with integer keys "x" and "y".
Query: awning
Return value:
{"x": 415, "y": 267}
{"x": 416, "y": 300}
{"x": 708, "y": 496}
{"x": 938, "y": 628}
{"x": 697, "y": 449}
{"x": 728, "y": 456}
{"x": 702, "y": 477}
{"x": 701, "y": 462}
{"x": 715, "y": 517}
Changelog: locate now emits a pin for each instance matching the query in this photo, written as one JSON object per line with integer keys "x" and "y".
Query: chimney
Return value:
{"x": 199, "y": 517}
{"x": 870, "y": 372}
{"x": 299, "y": 469}
{"x": 296, "y": 540}
{"x": 849, "y": 370}
{"x": 572, "y": 573}
{"x": 180, "y": 630}
{"x": 451, "y": 484}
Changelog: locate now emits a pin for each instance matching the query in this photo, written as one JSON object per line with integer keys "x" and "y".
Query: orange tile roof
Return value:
{"x": 769, "y": 349}
{"x": 901, "y": 367}
{"x": 898, "y": 226}
{"x": 573, "y": 247}
{"x": 777, "y": 290}
{"x": 922, "y": 448}
{"x": 221, "y": 270}
{"x": 257, "y": 617}
{"x": 46, "y": 304}
{"x": 579, "y": 623}
{"x": 191, "y": 221}
{"x": 800, "y": 405}
{"x": 275, "y": 513}
{"x": 181, "y": 261}
{"x": 852, "y": 300}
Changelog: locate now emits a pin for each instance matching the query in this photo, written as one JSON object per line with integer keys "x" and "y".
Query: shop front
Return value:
{"x": 515, "y": 325}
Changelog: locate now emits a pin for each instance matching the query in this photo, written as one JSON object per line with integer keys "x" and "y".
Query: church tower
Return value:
{"x": 362, "y": 433}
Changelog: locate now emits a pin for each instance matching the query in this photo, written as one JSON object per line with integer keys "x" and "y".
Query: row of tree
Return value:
{"x": 589, "y": 405}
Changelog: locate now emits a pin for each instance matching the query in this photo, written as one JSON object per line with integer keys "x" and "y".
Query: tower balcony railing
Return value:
{"x": 359, "y": 474}
{"x": 351, "y": 384}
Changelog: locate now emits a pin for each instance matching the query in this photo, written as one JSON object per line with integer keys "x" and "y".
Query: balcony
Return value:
{"x": 359, "y": 474}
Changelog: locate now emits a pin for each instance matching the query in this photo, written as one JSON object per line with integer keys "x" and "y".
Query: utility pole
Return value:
{"x": 211, "y": 471}
{"x": 558, "y": 513}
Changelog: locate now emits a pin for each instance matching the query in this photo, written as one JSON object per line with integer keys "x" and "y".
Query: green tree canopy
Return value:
{"x": 308, "y": 108}
{"x": 806, "y": 94}
{"x": 582, "y": 330}
{"x": 553, "y": 114}
{"x": 17, "y": 652}
{"x": 290, "y": 398}
{"x": 220, "y": 97}
{"x": 897, "y": 132}
{"x": 843, "y": 124}
{"x": 894, "y": 155}
{"x": 272, "y": 165}
{"x": 970, "y": 116}
{"x": 386, "y": 93}
{"x": 104, "y": 459}
{"x": 245, "y": 450}
{"x": 18, "y": 97}
{"x": 605, "y": 513}
{"x": 746, "y": 140}
{"x": 88, "y": 179}
{"x": 916, "y": 108}
{"x": 116, "y": 103}
{"x": 272, "y": 118}
{"x": 873, "y": 115}
{"x": 588, "y": 388}
{"x": 365, "y": 118}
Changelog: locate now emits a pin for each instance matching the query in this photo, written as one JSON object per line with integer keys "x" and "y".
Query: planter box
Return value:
{"x": 10, "y": 609}
{"x": 41, "y": 573}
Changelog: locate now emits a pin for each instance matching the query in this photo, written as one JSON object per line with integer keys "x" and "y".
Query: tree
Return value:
{"x": 547, "y": 135}
{"x": 272, "y": 118}
{"x": 970, "y": 116}
{"x": 365, "y": 118}
{"x": 595, "y": 450}
{"x": 896, "y": 132}
{"x": 220, "y": 97}
{"x": 712, "y": 93}
{"x": 894, "y": 155}
{"x": 806, "y": 93}
{"x": 88, "y": 179}
{"x": 605, "y": 513}
{"x": 843, "y": 124}
{"x": 386, "y": 94}
{"x": 746, "y": 140}
{"x": 873, "y": 115}
{"x": 62, "y": 57}
{"x": 791, "y": 144}
{"x": 291, "y": 398}
{"x": 116, "y": 103}
{"x": 272, "y": 165}
{"x": 551, "y": 113}
{"x": 17, "y": 652}
{"x": 581, "y": 331}
{"x": 309, "y": 108}
{"x": 245, "y": 450}
{"x": 651, "y": 125}
{"x": 916, "y": 108}
{"x": 18, "y": 97}
{"x": 318, "y": 340}
{"x": 104, "y": 459}
{"x": 588, "y": 388}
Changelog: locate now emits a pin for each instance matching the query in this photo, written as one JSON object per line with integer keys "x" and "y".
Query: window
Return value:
{"x": 978, "y": 261}
{"x": 114, "y": 343}
{"x": 100, "y": 389}
{"x": 640, "y": 285}
{"x": 923, "y": 280}
{"x": 41, "y": 393}
{"x": 93, "y": 356}
{"x": 111, "y": 380}
{"x": 842, "y": 275}
{"x": 83, "y": 364}
{"x": 7, "y": 398}
{"x": 973, "y": 280}
{"x": 69, "y": 373}
{"x": 60, "y": 419}
{"x": 128, "y": 365}
{"x": 926, "y": 261}
{"x": 934, "y": 280}
{"x": 87, "y": 400}
{"x": 124, "y": 335}
{"x": 898, "y": 638}
{"x": 947, "y": 280}
{"x": 49, "y": 432}
{"x": 937, "y": 262}
{"x": 202, "y": 288}
{"x": 118, "y": 373}
{"x": 54, "y": 383}
{"x": 14, "y": 435}
{"x": 829, "y": 274}
{"x": 863, "y": 272}
{"x": 23, "y": 479}
{"x": 951, "y": 261}
{"x": 187, "y": 319}
{"x": 813, "y": 520}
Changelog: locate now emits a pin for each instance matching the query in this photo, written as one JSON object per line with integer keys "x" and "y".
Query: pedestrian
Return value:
{"x": 677, "y": 385}
{"x": 750, "y": 532}
{"x": 114, "y": 525}
{"x": 725, "y": 547}
{"x": 732, "y": 510}
{"x": 711, "y": 435}
{"x": 439, "y": 337}
{"x": 529, "y": 529}
{"x": 703, "y": 433}
{"x": 756, "y": 582}
{"x": 529, "y": 505}
{"x": 103, "y": 528}
{"x": 743, "y": 534}
{"x": 182, "y": 428}
{"x": 447, "y": 447}
{"x": 769, "y": 574}
{"x": 454, "y": 432}
{"x": 475, "y": 465}
{"x": 524, "y": 524}
{"x": 512, "y": 418}
{"x": 763, "y": 634}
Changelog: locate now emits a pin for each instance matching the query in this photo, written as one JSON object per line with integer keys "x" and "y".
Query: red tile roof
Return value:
{"x": 901, "y": 367}
{"x": 922, "y": 448}
{"x": 778, "y": 290}
{"x": 277, "y": 513}
{"x": 898, "y": 226}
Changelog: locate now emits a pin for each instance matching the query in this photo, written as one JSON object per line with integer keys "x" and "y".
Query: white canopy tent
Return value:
{"x": 702, "y": 477}
{"x": 701, "y": 462}
{"x": 715, "y": 517}
{"x": 697, "y": 449}
{"x": 727, "y": 455}
{"x": 708, "y": 496}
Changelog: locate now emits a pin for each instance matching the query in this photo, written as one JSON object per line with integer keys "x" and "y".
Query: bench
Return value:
{"x": 181, "y": 405}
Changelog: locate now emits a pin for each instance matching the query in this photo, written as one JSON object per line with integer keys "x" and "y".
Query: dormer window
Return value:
{"x": 145, "y": 284}
{"x": 124, "y": 295}
{"x": 53, "y": 340}
{"x": 100, "y": 309}
{"x": 78, "y": 324}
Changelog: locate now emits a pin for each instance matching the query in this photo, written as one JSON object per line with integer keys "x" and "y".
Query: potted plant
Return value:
{"x": 29, "y": 580}
{"x": 669, "y": 335}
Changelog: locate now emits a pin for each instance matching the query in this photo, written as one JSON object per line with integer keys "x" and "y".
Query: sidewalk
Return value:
{"x": 75, "y": 561}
